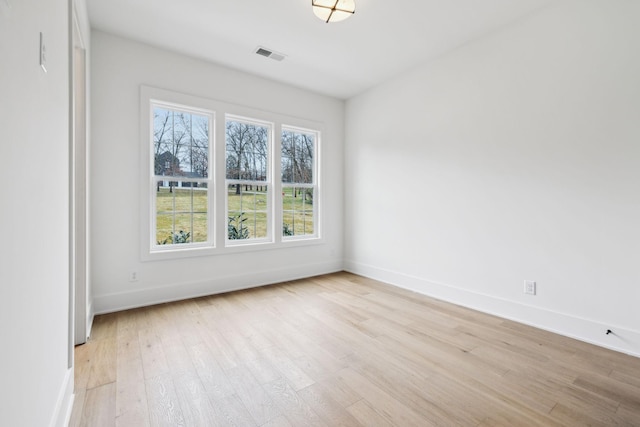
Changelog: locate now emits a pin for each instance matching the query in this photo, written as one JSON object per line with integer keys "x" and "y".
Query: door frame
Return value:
{"x": 79, "y": 307}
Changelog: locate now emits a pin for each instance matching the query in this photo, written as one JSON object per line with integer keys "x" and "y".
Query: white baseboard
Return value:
{"x": 622, "y": 339}
{"x": 64, "y": 404}
{"x": 144, "y": 297}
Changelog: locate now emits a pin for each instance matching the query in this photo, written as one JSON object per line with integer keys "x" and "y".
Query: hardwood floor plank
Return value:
{"x": 385, "y": 404}
{"x": 131, "y": 404}
{"x": 214, "y": 379}
{"x": 129, "y": 369}
{"x": 340, "y": 349}
{"x": 126, "y": 323}
{"x": 431, "y": 396}
{"x": 607, "y": 387}
{"x": 366, "y": 415}
{"x": 628, "y": 416}
{"x": 99, "y": 406}
{"x": 177, "y": 357}
{"x": 103, "y": 365}
{"x": 341, "y": 392}
{"x": 189, "y": 322}
{"x": 330, "y": 411}
{"x": 194, "y": 401}
{"x": 281, "y": 421}
{"x": 626, "y": 375}
{"x": 291, "y": 404}
{"x": 220, "y": 348}
{"x": 262, "y": 370}
{"x": 240, "y": 346}
{"x": 83, "y": 358}
{"x": 154, "y": 361}
{"x": 575, "y": 416}
{"x": 104, "y": 326}
{"x": 253, "y": 396}
{"x": 164, "y": 407}
{"x": 287, "y": 368}
{"x": 230, "y": 411}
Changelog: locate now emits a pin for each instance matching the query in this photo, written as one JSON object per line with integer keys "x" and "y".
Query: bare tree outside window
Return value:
{"x": 247, "y": 154}
{"x": 297, "y": 164}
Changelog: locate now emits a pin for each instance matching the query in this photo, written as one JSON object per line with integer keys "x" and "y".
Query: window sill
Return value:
{"x": 193, "y": 252}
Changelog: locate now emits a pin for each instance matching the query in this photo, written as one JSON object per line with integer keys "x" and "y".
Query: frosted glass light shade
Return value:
{"x": 333, "y": 10}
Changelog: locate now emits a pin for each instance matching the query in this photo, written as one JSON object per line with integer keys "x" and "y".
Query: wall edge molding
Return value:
{"x": 64, "y": 404}
{"x": 90, "y": 317}
{"x": 623, "y": 340}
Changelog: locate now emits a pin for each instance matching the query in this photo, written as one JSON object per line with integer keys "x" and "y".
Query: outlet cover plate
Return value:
{"x": 43, "y": 53}
{"x": 529, "y": 287}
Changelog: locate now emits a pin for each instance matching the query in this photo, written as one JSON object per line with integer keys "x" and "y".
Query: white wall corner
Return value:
{"x": 179, "y": 291}
{"x": 64, "y": 404}
{"x": 621, "y": 340}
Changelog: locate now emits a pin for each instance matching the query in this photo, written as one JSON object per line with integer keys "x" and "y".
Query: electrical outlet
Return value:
{"x": 133, "y": 276}
{"x": 529, "y": 287}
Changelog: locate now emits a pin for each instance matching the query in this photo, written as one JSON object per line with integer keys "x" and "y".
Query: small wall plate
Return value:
{"x": 43, "y": 53}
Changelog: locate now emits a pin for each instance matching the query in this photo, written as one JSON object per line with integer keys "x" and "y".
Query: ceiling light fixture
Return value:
{"x": 333, "y": 10}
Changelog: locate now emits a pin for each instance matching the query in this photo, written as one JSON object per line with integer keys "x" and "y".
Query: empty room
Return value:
{"x": 320, "y": 212}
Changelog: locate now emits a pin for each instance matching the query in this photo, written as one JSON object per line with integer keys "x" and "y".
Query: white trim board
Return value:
{"x": 175, "y": 292}
{"x": 90, "y": 317}
{"x": 623, "y": 340}
{"x": 64, "y": 404}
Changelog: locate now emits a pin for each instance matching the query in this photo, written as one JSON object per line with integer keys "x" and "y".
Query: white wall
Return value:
{"x": 516, "y": 156}
{"x": 119, "y": 67}
{"x": 35, "y": 382}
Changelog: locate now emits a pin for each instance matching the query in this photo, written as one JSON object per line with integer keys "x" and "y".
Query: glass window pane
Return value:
{"x": 164, "y": 197}
{"x": 181, "y": 212}
{"x": 182, "y": 229}
{"x": 257, "y": 224}
{"x": 183, "y": 199}
{"x": 199, "y": 227}
{"x": 247, "y": 147}
{"x": 199, "y": 146}
{"x": 181, "y": 143}
{"x": 162, "y": 138}
{"x": 297, "y": 211}
{"x": 298, "y": 150}
{"x": 164, "y": 228}
{"x": 247, "y": 208}
{"x": 286, "y": 156}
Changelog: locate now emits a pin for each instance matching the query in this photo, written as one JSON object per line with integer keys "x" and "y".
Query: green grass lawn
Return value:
{"x": 177, "y": 206}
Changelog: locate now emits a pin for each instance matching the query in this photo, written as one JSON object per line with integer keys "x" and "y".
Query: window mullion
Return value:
{"x": 276, "y": 175}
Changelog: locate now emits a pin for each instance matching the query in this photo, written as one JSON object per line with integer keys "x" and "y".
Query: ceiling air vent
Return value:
{"x": 269, "y": 53}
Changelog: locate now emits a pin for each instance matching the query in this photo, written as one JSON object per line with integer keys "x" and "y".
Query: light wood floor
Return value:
{"x": 342, "y": 350}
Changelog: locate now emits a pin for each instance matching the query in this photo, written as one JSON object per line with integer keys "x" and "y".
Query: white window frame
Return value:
{"x": 210, "y": 242}
{"x": 314, "y": 184}
{"x": 271, "y": 207}
{"x": 217, "y": 187}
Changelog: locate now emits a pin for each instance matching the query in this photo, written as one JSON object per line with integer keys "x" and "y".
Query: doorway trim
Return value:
{"x": 80, "y": 313}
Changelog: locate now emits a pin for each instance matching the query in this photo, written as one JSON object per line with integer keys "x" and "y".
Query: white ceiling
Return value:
{"x": 341, "y": 59}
